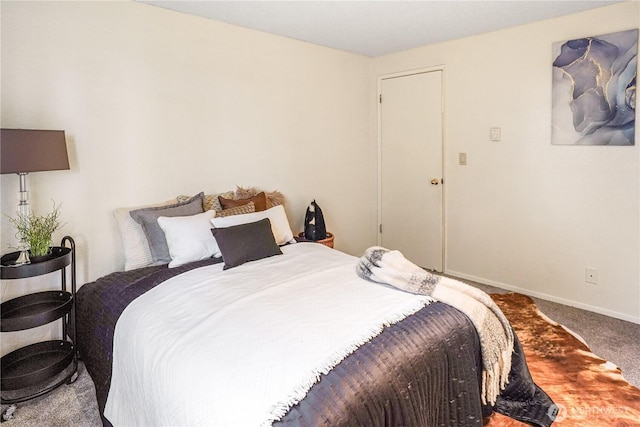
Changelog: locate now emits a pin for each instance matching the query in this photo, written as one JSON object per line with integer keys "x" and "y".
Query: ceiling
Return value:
{"x": 374, "y": 28}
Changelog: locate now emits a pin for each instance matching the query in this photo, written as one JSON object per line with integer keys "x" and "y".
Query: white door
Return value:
{"x": 411, "y": 177}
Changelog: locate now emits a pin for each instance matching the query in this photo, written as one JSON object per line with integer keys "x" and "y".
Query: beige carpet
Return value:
{"x": 72, "y": 405}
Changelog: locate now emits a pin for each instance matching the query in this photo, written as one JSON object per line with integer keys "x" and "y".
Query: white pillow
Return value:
{"x": 277, "y": 216}
{"x": 189, "y": 238}
{"x": 134, "y": 241}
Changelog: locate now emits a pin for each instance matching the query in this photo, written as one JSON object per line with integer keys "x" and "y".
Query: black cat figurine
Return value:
{"x": 314, "y": 228}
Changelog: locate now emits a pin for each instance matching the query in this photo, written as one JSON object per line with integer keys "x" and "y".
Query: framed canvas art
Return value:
{"x": 594, "y": 90}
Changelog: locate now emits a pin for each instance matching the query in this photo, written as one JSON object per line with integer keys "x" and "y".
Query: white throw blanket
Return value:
{"x": 496, "y": 336}
{"x": 239, "y": 347}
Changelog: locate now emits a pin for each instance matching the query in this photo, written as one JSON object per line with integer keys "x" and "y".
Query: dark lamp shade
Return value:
{"x": 25, "y": 150}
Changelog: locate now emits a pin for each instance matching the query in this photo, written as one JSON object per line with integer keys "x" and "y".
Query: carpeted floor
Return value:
{"x": 612, "y": 339}
{"x": 72, "y": 405}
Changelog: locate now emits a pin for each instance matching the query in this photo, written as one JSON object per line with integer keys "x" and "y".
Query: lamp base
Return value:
{"x": 23, "y": 258}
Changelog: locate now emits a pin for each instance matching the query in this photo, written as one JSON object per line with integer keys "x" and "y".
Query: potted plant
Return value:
{"x": 35, "y": 231}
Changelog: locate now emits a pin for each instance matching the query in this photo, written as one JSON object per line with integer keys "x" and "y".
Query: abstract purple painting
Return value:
{"x": 594, "y": 90}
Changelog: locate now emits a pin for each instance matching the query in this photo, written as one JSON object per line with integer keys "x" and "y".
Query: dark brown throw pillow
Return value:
{"x": 246, "y": 242}
{"x": 259, "y": 200}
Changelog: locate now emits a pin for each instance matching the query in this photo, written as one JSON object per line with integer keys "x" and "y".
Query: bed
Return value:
{"x": 282, "y": 335}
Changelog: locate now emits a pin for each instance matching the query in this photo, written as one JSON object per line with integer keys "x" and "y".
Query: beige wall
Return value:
{"x": 524, "y": 214}
{"x": 157, "y": 103}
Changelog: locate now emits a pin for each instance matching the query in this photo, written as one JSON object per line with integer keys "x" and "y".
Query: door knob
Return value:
{"x": 434, "y": 181}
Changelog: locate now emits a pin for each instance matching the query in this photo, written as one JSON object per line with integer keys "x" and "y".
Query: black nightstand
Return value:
{"x": 27, "y": 367}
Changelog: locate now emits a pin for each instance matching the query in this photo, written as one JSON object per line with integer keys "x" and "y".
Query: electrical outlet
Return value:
{"x": 591, "y": 275}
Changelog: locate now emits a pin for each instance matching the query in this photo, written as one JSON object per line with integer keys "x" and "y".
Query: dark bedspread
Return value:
{"x": 422, "y": 371}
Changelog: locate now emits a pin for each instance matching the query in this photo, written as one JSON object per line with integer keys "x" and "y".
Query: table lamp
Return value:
{"x": 27, "y": 150}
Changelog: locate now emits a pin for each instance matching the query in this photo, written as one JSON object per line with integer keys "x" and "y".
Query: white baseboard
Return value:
{"x": 547, "y": 297}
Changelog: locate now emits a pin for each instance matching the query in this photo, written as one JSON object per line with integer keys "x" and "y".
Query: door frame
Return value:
{"x": 380, "y": 78}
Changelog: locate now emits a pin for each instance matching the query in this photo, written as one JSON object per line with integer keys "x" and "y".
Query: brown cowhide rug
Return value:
{"x": 588, "y": 390}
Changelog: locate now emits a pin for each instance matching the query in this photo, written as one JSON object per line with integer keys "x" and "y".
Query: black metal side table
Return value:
{"x": 24, "y": 369}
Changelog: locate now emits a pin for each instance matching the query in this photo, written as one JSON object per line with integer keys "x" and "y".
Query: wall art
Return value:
{"x": 594, "y": 90}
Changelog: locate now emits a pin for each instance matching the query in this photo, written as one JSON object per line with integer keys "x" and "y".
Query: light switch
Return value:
{"x": 495, "y": 134}
{"x": 462, "y": 159}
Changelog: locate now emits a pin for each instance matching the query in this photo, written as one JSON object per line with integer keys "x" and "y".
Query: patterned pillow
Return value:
{"x": 211, "y": 202}
{"x": 238, "y": 210}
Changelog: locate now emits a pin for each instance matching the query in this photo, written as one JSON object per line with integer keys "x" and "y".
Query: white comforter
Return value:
{"x": 239, "y": 347}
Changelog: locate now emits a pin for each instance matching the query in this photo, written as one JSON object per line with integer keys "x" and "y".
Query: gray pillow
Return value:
{"x": 148, "y": 219}
{"x": 246, "y": 242}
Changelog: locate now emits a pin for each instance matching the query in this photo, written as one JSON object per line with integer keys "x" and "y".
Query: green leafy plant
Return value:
{"x": 36, "y": 230}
